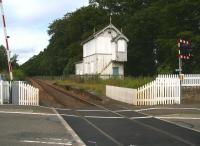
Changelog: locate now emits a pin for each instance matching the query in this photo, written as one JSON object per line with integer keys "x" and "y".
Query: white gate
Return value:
{"x": 165, "y": 89}
{"x": 160, "y": 91}
{"x": 24, "y": 94}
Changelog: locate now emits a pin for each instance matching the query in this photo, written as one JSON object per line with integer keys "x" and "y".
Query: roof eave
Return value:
{"x": 101, "y": 31}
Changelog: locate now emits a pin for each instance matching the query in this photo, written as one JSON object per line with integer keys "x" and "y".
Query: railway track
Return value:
{"x": 61, "y": 96}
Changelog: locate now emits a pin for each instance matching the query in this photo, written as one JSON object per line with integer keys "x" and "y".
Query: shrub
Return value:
{"x": 18, "y": 74}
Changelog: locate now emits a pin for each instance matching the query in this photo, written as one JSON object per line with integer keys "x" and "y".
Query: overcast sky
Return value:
{"x": 28, "y": 21}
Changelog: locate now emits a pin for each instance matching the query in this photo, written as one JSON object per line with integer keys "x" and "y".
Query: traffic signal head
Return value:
{"x": 185, "y": 49}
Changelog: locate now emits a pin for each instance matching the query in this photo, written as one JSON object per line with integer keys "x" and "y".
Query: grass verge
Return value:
{"x": 99, "y": 86}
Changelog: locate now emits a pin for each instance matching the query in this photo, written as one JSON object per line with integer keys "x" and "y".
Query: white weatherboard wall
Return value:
{"x": 79, "y": 68}
{"x": 89, "y": 48}
{"x": 103, "y": 51}
{"x": 126, "y": 95}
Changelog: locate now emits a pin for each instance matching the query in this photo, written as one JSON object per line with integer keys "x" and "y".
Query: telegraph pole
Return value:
{"x": 6, "y": 40}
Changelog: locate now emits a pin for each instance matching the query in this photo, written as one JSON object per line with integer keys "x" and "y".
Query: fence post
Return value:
{"x": 37, "y": 95}
{"x": 1, "y": 94}
{"x": 21, "y": 93}
{"x": 179, "y": 89}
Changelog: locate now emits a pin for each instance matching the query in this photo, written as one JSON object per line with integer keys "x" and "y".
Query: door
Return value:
{"x": 115, "y": 71}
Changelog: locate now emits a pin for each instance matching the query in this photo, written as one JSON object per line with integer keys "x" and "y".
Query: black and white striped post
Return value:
{"x": 6, "y": 40}
{"x": 179, "y": 57}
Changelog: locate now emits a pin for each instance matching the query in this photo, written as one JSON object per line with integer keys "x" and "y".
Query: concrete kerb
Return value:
{"x": 78, "y": 140}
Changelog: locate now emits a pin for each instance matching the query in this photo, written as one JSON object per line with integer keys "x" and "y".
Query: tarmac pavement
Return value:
{"x": 34, "y": 126}
{"x": 128, "y": 127}
{"x": 122, "y": 126}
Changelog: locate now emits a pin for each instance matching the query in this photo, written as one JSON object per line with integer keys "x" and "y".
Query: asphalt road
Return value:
{"x": 32, "y": 126}
{"x": 97, "y": 127}
{"x": 37, "y": 126}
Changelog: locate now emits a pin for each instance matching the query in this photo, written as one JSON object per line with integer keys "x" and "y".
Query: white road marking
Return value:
{"x": 99, "y": 117}
{"x": 178, "y": 118}
{"x": 91, "y": 110}
{"x": 62, "y": 109}
{"x": 27, "y": 113}
{"x": 68, "y": 128}
{"x": 130, "y": 110}
{"x": 46, "y": 142}
{"x": 45, "y": 114}
{"x": 167, "y": 120}
{"x": 147, "y": 109}
{"x": 56, "y": 139}
{"x": 46, "y": 107}
{"x": 123, "y": 111}
{"x": 69, "y": 115}
{"x": 146, "y": 117}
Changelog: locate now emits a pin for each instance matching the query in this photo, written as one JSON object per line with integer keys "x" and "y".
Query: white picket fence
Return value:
{"x": 191, "y": 80}
{"x": 165, "y": 89}
{"x": 4, "y": 92}
{"x": 160, "y": 92}
{"x": 24, "y": 94}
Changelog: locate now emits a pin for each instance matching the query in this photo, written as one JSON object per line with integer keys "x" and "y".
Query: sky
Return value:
{"x": 27, "y": 23}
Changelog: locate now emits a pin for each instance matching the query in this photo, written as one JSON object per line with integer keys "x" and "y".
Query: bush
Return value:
{"x": 18, "y": 74}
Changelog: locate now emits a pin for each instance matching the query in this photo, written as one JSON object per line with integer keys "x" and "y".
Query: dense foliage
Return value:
{"x": 152, "y": 26}
{"x": 17, "y": 73}
{"x": 3, "y": 60}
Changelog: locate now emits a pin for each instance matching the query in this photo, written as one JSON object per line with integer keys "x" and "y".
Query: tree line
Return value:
{"x": 152, "y": 26}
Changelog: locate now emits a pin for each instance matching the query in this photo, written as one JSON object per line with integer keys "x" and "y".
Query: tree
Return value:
{"x": 152, "y": 26}
{"x": 3, "y": 59}
{"x": 64, "y": 47}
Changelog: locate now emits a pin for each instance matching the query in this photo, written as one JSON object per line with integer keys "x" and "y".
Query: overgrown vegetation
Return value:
{"x": 98, "y": 85}
{"x": 152, "y": 26}
{"x": 18, "y": 73}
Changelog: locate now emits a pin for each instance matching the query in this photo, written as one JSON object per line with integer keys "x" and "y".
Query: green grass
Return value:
{"x": 98, "y": 85}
